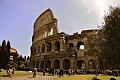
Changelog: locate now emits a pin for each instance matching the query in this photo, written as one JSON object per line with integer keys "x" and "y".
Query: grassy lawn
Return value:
{"x": 66, "y": 77}
{"x": 85, "y": 77}
{"x": 16, "y": 73}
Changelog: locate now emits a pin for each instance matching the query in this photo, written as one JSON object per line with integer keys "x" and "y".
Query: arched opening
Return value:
{"x": 34, "y": 64}
{"x": 81, "y": 64}
{"x": 42, "y": 64}
{"x": 38, "y": 49}
{"x": 49, "y": 47}
{"x": 91, "y": 64}
{"x": 37, "y": 64}
{"x": 43, "y": 48}
{"x": 66, "y": 64}
{"x": 71, "y": 45}
{"x": 57, "y": 45}
{"x": 56, "y": 64}
{"x": 80, "y": 45}
{"x": 48, "y": 64}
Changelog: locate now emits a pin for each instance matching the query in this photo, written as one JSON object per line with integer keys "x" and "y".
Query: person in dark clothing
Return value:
{"x": 34, "y": 72}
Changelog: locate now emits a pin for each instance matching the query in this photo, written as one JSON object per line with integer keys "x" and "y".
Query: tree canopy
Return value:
{"x": 110, "y": 39}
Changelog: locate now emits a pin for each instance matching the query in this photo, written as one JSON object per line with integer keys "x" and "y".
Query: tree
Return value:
{"x": 8, "y": 45}
{"x": 3, "y": 43}
{"x": 2, "y": 53}
{"x": 110, "y": 39}
{"x": 4, "y": 56}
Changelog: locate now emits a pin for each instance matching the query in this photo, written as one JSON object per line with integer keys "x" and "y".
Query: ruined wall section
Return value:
{"x": 59, "y": 50}
{"x": 45, "y": 25}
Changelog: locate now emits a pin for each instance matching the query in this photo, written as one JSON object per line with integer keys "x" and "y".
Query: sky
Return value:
{"x": 18, "y": 16}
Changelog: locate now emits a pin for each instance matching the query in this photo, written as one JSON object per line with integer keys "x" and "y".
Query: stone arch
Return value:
{"x": 80, "y": 45}
{"x": 66, "y": 64}
{"x": 34, "y": 64}
{"x": 56, "y": 64}
{"x": 43, "y": 48}
{"x": 49, "y": 47}
{"x": 57, "y": 45}
{"x": 91, "y": 64}
{"x": 80, "y": 64}
{"x": 48, "y": 64}
{"x": 71, "y": 45}
{"x": 42, "y": 65}
{"x": 37, "y": 64}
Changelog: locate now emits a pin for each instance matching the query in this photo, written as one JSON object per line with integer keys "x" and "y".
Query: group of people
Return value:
{"x": 10, "y": 72}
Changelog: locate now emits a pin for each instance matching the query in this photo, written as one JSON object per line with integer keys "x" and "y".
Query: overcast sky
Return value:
{"x": 18, "y": 16}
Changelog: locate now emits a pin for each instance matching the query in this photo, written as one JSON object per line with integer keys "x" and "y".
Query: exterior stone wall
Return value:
{"x": 52, "y": 49}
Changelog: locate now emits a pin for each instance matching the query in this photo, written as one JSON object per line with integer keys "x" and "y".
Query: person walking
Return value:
{"x": 10, "y": 72}
{"x": 34, "y": 72}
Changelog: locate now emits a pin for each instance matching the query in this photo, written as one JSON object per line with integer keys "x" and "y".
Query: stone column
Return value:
{"x": 75, "y": 46}
{"x": 62, "y": 43}
{"x": 40, "y": 48}
{"x": 52, "y": 64}
{"x": 61, "y": 64}
{"x": 45, "y": 47}
{"x": 86, "y": 64}
{"x": 71, "y": 63}
{"x": 35, "y": 64}
{"x": 39, "y": 65}
{"x": 53, "y": 46}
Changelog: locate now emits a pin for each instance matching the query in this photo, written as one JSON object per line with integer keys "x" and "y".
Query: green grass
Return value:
{"x": 16, "y": 73}
{"x": 85, "y": 77}
{"x": 66, "y": 77}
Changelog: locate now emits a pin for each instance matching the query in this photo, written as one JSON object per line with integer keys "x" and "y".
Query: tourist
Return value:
{"x": 10, "y": 72}
{"x": 34, "y": 72}
{"x": 43, "y": 72}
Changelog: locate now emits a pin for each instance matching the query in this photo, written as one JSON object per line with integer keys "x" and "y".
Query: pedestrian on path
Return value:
{"x": 34, "y": 72}
{"x": 10, "y": 72}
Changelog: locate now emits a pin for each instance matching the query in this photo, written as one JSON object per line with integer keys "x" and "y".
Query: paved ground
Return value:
{"x": 29, "y": 77}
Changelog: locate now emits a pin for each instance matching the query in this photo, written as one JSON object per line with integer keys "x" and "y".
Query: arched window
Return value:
{"x": 43, "y": 48}
{"x": 57, "y": 45}
{"x": 81, "y": 64}
{"x": 71, "y": 45}
{"x": 48, "y": 64}
{"x": 80, "y": 45}
{"x": 56, "y": 64}
{"x": 91, "y": 64}
{"x": 66, "y": 64}
{"x": 49, "y": 47}
{"x": 42, "y": 64}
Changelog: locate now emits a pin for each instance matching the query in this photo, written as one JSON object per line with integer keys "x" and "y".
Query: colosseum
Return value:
{"x": 52, "y": 49}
